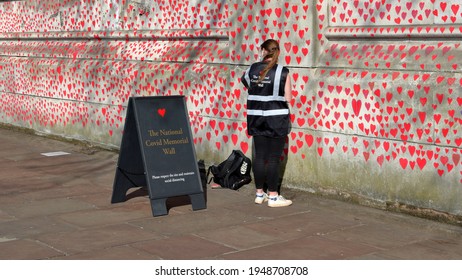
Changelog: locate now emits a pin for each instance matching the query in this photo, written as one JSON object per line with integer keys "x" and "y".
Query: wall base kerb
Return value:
{"x": 425, "y": 213}
{"x": 85, "y": 147}
{"x": 391, "y": 206}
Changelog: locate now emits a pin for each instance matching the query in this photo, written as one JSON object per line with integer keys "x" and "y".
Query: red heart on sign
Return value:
{"x": 161, "y": 112}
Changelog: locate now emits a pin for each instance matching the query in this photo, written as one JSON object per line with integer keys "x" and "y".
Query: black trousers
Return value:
{"x": 266, "y": 161}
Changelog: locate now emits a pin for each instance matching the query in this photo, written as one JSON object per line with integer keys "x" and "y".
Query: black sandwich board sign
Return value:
{"x": 157, "y": 151}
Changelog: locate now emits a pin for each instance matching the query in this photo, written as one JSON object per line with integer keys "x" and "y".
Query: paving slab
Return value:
{"x": 124, "y": 252}
{"x": 26, "y": 249}
{"x": 184, "y": 247}
{"x": 30, "y": 228}
{"x": 96, "y": 238}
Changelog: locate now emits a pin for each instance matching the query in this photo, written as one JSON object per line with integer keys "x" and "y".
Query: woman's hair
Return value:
{"x": 272, "y": 47}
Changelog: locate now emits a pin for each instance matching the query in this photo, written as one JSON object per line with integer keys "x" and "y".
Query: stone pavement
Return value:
{"x": 58, "y": 207}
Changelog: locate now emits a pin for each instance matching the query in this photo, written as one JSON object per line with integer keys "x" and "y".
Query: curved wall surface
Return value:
{"x": 377, "y": 111}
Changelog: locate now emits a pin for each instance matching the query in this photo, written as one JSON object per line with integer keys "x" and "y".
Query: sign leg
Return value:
{"x": 198, "y": 201}
{"x": 120, "y": 188}
{"x": 159, "y": 206}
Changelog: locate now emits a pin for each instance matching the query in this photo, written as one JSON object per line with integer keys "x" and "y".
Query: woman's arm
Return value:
{"x": 288, "y": 89}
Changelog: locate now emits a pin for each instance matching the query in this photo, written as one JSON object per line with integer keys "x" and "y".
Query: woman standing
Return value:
{"x": 268, "y": 120}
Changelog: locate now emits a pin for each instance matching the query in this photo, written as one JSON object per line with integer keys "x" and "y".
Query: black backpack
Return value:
{"x": 233, "y": 173}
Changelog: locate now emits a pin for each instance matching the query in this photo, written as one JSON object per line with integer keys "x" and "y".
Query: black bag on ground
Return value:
{"x": 233, "y": 173}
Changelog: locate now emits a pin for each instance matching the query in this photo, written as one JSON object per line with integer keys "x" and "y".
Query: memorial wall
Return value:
{"x": 376, "y": 117}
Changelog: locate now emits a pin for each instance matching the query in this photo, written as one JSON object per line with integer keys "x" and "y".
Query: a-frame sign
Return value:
{"x": 157, "y": 151}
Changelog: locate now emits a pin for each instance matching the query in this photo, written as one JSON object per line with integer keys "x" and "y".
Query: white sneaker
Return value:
{"x": 260, "y": 198}
{"x": 278, "y": 201}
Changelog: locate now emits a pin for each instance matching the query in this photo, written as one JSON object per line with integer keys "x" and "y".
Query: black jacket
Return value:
{"x": 267, "y": 110}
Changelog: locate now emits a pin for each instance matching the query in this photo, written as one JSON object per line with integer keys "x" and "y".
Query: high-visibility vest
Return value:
{"x": 267, "y": 110}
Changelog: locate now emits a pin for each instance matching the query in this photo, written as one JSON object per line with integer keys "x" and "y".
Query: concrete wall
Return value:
{"x": 377, "y": 111}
